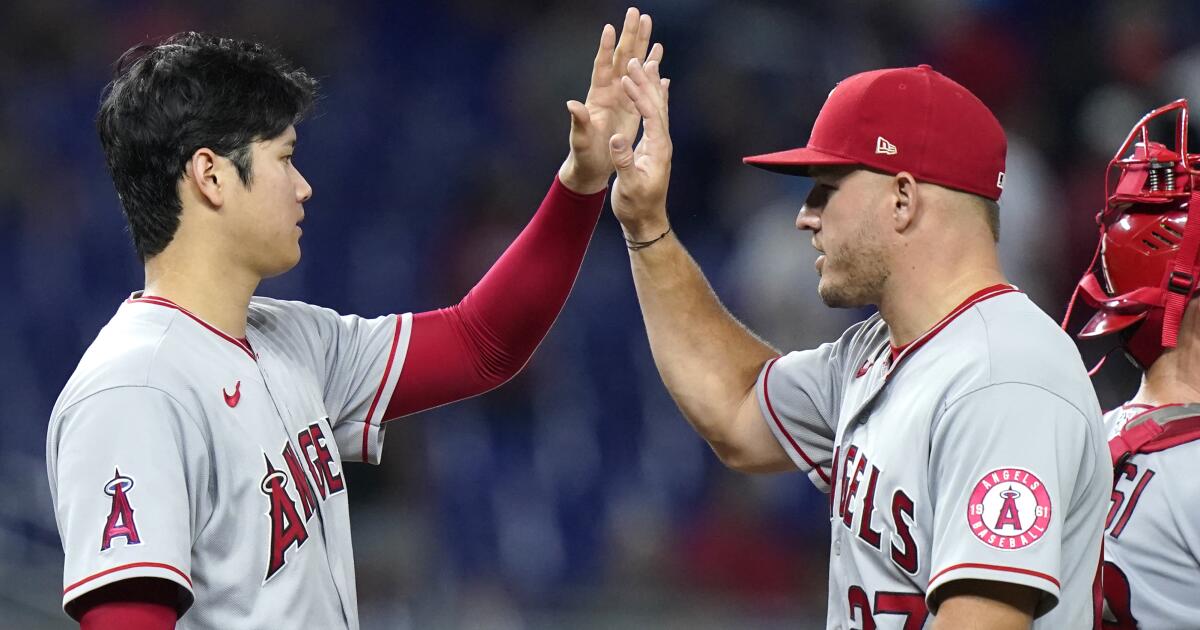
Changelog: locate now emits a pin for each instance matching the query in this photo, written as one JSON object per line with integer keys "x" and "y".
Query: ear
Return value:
{"x": 905, "y": 200}
{"x": 206, "y": 172}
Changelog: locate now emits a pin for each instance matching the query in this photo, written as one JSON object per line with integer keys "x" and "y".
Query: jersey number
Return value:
{"x": 1114, "y": 524}
{"x": 911, "y": 605}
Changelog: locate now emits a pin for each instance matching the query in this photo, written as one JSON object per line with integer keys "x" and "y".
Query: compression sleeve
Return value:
{"x": 128, "y": 615}
{"x": 484, "y": 340}
{"x": 133, "y": 604}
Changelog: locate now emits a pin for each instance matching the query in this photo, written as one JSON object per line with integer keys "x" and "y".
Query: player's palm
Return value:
{"x": 608, "y": 110}
{"x": 639, "y": 195}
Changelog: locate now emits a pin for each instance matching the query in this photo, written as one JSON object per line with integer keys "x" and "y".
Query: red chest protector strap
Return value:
{"x": 1156, "y": 430}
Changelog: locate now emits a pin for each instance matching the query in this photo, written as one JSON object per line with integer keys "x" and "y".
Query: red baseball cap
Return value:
{"x": 904, "y": 119}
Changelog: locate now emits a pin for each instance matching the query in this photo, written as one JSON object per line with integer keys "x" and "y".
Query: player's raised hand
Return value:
{"x": 608, "y": 110}
{"x": 639, "y": 195}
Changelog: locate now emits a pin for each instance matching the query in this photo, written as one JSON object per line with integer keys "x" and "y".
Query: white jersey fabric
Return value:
{"x": 178, "y": 452}
{"x": 975, "y": 452}
{"x": 1152, "y": 533}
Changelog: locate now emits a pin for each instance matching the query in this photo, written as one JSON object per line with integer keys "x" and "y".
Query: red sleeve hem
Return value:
{"x": 124, "y": 567}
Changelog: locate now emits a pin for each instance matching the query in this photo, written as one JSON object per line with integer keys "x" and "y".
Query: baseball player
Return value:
{"x": 1142, "y": 291}
{"x": 955, "y": 430}
{"x": 196, "y": 456}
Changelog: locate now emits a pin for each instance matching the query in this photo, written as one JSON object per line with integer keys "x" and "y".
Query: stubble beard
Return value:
{"x": 861, "y": 273}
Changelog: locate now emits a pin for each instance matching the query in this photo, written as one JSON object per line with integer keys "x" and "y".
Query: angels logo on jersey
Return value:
{"x": 1009, "y": 509}
{"x": 288, "y": 528}
{"x": 120, "y": 522}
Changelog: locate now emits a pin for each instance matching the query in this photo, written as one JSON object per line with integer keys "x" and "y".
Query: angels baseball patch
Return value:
{"x": 1009, "y": 509}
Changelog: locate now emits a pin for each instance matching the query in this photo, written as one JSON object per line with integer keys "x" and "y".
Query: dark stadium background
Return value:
{"x": 575, "y": 496}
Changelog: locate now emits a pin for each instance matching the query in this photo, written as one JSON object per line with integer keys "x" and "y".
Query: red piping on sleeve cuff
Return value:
{"x": 123, "y": 567}
{"x": 1048, "y": 585}
{"x": 994, "y": 567}
{"x": 402, "y": 323}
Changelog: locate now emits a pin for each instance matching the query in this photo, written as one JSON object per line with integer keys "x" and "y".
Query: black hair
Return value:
{"x": 190, "y": 91}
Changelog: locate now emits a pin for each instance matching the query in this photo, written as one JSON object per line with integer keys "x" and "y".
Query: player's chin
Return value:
{"x": 837, "y": 295}
{"x": 283, "y": 263}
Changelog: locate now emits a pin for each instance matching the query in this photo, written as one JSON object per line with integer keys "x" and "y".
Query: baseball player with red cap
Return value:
{"x": 955, "y": 431}
{"x": 1141, "y": 284}
{"x": 196, "y": 456}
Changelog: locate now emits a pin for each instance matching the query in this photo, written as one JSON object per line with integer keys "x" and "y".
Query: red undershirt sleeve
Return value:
{"x": 128, "y": 615}
{"x": 485, "y": 340}
{"x": 133, "y": 604}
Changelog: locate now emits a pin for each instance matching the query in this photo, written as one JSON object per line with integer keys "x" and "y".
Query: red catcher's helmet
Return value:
{"x": 1148, "y": 247}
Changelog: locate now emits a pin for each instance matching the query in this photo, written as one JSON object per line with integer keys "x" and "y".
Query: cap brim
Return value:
{"x": 1103, "y": 323}
{"x": 796, "y": 161}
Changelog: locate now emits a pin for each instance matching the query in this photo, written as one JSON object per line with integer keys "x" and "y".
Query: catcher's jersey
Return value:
{"x": 975, "y": 452}
{"x": 1152, "y": 533}
{"x": 178, "y": 452}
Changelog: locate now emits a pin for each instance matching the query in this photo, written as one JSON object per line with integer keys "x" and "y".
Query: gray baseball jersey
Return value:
{"x": 974, "y": 452}
{"x": 1152, "y": 533}
{"x": 178, "y": 452}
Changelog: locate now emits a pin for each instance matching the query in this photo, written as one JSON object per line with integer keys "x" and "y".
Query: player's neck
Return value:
{"x": 914, "y": 302}
{"x": 1175, "y": 376}
{"x": 1167, "y": 383}
{"x": 212, "y": 289}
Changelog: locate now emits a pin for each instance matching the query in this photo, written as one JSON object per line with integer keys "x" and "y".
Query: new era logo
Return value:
{"x": 1000, "y": 180}
{"x": 883, "y": 147}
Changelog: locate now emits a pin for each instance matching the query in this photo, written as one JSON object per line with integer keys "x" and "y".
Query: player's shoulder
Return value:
{"x": 1023, "y": 344}
{"x": 273, "y": 317}
{"x": 132, "y": 352}
{"x": 1007, "y": 341}
{"x": 124, "y": 352}
{"x": 264, "y": 311}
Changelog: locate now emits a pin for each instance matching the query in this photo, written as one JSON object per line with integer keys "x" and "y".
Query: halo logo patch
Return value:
{"x": 1009, "y": 509}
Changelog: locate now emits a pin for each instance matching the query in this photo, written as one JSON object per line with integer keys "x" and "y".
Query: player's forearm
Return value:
{"x": 491, "y": 334}
{"x": 708, "y": 360}
{"x": 511, "y": 309}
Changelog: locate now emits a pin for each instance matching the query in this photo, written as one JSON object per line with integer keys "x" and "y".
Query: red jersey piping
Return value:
{"x": 775, "y": 417}
{"x": 132, "y": 565}
{"x": 900, "y": 352}
{"x": 162, "y": 301}
{"x": 993, "y": 567}
{"x": 379, "y": 392}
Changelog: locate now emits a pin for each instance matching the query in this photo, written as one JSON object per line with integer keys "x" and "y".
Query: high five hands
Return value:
{"x": 609, "y": 109}
{"x": 639, "y": 195}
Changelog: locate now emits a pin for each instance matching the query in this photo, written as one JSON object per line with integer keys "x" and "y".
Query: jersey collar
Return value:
{"x": 243, "y": 344}
{"x": 899, "y": 353}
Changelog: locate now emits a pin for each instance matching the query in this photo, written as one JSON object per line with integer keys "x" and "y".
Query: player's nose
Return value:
{"x": 303, "y": 190}
{"x": 807, "y": 219}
